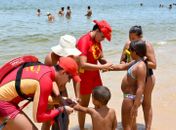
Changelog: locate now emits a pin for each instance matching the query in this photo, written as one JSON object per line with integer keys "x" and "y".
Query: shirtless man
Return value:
{"x": 103, "y": 117}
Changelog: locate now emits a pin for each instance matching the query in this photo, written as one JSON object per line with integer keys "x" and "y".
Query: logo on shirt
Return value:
{"x": 96, "y": 51}
{"x": 34, "y": 69}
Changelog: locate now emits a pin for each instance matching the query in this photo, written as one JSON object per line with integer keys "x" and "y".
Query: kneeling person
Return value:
{"x": 36, "y": 83}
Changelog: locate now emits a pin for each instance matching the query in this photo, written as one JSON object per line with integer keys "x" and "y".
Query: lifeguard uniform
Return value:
{"x": 93, "y": 51}
{"x": 33, "y": 77}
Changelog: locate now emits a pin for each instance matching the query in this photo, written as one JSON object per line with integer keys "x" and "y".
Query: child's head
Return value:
{"x": 139, "y": 47}
{"x": 102, "y": 94}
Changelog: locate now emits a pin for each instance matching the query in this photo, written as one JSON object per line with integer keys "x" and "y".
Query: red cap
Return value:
{"x": 70, "y": 66}
{"x": 105, "y": 28}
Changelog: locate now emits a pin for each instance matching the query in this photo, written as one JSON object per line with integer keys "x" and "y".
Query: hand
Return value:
{"x": 77, "y": 100}
{"x": 68, "y": 101}
{"x": 133, "y": 112}
{"x": 76, "y": 107}
{"x": 106, "y": 66}
{"x": 113, "y": 67}
{"x": 68, "y": 109}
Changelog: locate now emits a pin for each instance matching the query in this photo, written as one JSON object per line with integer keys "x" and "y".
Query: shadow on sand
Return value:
{"x": 89, "y": 127}
{"x": 139, "y": 126}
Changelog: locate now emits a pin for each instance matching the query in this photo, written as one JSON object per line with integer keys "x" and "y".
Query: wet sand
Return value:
{"x": 164, "y": 93}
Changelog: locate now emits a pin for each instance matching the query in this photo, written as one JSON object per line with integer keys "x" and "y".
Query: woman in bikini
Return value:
{"x": 133, "y": 84}
{"x": 135, "y": 33}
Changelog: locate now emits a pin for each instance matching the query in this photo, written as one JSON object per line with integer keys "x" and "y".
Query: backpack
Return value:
{"x": 21, "y": 62}
{"x": 14, "y": 63}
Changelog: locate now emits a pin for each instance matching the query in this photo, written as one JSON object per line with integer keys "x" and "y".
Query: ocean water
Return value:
{"x": 22, "y": 32}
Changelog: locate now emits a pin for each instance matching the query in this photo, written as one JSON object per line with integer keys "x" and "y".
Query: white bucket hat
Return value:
{"x": 66, "y": 46}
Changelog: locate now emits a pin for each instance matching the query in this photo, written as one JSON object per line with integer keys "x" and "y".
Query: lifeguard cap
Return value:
{"x": 70, "y": 66}
{"x": 105, "y": 28}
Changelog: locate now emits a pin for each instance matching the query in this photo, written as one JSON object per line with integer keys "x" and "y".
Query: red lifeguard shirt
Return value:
{"x": 93, "y": 51}
{"x": 89, "y": 48}
{"x": 40, "y": 77}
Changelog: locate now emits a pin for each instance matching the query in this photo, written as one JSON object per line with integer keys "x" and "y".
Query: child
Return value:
{"x": 103, "y": 117}
{"x": 133, "y": 83}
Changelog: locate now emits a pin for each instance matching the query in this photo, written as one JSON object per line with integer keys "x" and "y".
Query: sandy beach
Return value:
{"x": 164, "y": 102}
{"x": 22, "y": 32}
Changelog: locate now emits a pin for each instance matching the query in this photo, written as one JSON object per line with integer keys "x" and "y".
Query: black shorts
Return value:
{"x": 150, "y": 72}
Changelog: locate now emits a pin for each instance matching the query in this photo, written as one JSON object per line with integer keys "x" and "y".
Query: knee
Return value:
{"x": 146, "y": 103}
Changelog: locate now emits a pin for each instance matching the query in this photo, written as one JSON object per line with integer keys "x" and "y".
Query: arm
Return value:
{"x": 76, "y": 86}
{"x": 53, "y": 100}
{"x": 151, "y": 60}
{"x": 88, "y": 66}
{"x": 78, "y": 107}
{"x": 140, "y": 77}
{"x": 102, "y": 61}
{"x": 121, "y": 67}
{"x": 123, "y": 56}
{"x": 115, "y": 122}
{"x": 48, "y": 60}
{"x": 42, "y": 92}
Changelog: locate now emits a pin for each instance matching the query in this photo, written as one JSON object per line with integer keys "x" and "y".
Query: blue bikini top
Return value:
{"x": 129, "y": 71}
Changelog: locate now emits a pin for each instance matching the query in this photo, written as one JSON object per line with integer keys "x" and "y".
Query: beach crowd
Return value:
{"x": 79, "y": 61}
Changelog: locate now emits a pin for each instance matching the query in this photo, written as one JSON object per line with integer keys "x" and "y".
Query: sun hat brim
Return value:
{"x": 59, "y": 50}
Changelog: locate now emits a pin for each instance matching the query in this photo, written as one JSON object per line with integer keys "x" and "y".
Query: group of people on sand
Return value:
{"x": 61, "y": 12}
{"x": 81, "y": 61}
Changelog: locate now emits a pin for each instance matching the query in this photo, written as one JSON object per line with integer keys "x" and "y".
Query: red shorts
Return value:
{"x": 89, "y": 81}
{"x": 7, "y": 109}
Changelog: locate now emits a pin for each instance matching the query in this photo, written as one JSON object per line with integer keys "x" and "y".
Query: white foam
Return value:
{"x": 162, "y": 43}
